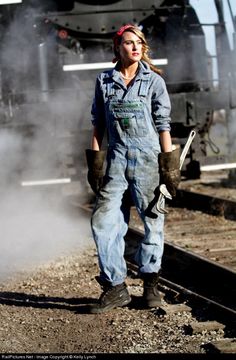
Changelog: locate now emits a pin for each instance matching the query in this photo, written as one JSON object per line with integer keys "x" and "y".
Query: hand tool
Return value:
{"x": 164, "y": 193}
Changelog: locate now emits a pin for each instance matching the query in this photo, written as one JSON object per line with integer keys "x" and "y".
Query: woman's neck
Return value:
{"x": 128, "y": 72}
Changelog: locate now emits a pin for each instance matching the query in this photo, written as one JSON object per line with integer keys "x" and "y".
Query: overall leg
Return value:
{"x": 109, "y": 228}
{"x": 150, "y": 251}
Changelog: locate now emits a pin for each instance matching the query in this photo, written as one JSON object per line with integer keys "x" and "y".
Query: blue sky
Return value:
{"x": 207, "y": 14}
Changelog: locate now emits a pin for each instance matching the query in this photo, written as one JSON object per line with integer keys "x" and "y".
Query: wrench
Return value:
{"x": 164, "y": 193}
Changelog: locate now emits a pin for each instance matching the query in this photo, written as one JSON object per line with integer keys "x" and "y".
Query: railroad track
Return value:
{"x": 189, "y": 278}
{"x": 210, "y": 236}
{"x": 202, "y": 223}
{"x": 197, "y": 278}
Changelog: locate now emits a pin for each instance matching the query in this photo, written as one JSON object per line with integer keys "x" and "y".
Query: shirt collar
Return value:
{"x": 143, "y": 73}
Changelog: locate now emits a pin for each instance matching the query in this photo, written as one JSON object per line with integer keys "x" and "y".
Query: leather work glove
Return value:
{"x": 95, "y": 161}
{"x": 169, "y": 165}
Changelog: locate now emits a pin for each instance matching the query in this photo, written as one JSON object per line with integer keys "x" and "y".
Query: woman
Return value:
{"x": 132, "y": 104}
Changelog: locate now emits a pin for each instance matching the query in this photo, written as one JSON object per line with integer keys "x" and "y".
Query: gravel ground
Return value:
{"x": 215, "y": 183}
{"x": 45, "y": 311}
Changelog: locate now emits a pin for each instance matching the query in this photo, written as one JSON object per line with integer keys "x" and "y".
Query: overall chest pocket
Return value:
{"x": 130, "y": 120}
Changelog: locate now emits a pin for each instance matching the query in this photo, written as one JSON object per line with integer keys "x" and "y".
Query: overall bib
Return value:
{"x": 132, "y": 161}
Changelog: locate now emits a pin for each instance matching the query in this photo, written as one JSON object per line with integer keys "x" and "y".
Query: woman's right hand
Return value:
{"x": 95, "y": 161}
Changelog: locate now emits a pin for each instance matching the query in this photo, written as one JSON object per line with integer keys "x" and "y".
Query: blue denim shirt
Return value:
{"x": 156, "y": 96}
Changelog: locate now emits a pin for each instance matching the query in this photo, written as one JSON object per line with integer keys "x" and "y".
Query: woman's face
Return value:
{"x": 130, "y": 49}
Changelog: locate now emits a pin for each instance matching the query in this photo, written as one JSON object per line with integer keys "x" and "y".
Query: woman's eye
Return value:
{"x": 128, "y": 42}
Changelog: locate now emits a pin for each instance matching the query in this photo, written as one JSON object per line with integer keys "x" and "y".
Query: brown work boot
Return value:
{"x": 151, "y": 295}
{"x": 111, "y": 298}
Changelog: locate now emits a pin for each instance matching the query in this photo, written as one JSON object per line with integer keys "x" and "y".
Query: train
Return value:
{"x": 51, "y": 52}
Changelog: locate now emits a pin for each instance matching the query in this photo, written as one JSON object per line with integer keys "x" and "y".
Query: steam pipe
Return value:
{"x": 231, "y": 14}
{"x": 7, "y": 2}
{"x": 219, "y": 8}
{"x": 222, "y": 46}
{"x": 46, "y": 182}
{"x": 104, "y": 65}
{"x": 43, "y": 70}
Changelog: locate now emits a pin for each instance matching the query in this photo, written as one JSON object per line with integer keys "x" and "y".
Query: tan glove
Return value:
{"x": 169, "y": 165}
{"x": 95, "y": 161}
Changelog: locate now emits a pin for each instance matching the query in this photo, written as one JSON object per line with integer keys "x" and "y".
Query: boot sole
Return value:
{"x": 109, "y": 307}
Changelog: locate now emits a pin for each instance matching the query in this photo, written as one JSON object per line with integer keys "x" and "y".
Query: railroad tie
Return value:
{"x": 175, "y": 308}
{"x": 196, "y": 327}
{"x": 226, "y": 345}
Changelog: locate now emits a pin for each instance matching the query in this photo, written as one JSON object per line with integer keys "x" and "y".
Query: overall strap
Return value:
{"x": 143, "y": 88}
{"x": 110, "y": 89}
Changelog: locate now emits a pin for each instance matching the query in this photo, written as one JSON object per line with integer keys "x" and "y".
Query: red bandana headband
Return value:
{"x": 122, "y": 29}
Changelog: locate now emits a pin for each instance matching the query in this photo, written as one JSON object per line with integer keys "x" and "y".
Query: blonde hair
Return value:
{"x": 145, "y": 48}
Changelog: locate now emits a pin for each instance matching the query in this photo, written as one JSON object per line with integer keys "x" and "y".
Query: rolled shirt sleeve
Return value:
{"x": 161, "y": 106}
{"x": 97, "y": 110}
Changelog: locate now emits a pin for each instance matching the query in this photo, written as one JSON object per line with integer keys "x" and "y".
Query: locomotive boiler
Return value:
{"x": 51, "y": 52}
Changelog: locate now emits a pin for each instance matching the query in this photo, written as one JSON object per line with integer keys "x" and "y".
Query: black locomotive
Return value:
{"x": 40, "y": 100}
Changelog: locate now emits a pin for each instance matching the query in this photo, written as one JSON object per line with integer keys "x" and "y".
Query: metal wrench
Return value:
{"x": 164, "y": 193}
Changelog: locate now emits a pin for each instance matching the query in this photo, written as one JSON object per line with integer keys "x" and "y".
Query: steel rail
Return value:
{"x": 199, "y": 279}
{"x": 193, "y": 275}
{"x": 206, "y": 203}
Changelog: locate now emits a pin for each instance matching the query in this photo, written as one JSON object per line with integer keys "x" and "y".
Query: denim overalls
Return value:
{"x": 133, "y": 115}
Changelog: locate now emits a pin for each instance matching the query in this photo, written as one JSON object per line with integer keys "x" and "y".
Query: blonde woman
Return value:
{"x": 132, "y": 104}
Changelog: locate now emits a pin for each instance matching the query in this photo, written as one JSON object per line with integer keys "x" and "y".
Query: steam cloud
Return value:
{"x": 33, "y": 231}
{"x": 35, "y": 139}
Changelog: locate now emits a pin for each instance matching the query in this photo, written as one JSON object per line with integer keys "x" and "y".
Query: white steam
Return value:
{"x": 36, "y": 223}
{"x": 33, "y": 231}
{"x": 37, "y": 142}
